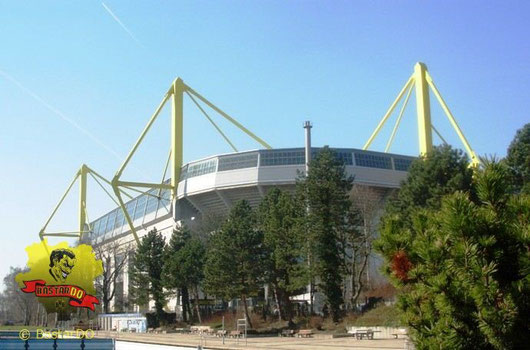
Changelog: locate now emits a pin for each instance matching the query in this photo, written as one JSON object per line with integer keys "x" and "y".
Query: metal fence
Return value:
{"x": 13, "y": 341}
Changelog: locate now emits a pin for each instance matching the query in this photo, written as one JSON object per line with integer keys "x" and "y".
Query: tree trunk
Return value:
{"x": 359, "y": 278}
{"x": 106, "y": 305}
{"x": 197, "y": 308}
{"x": 311, "y": 297}
{"x": 288, "y": 310}
{"x": 244, "y": 298}
{"x": 353, "y": 283}
{"x": 185, "y": 304}
{"x": 278, "y": 303}
{"x": 177, "y": 303}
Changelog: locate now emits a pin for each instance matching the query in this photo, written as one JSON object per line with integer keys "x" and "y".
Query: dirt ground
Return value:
{"x": 211, "y": 342}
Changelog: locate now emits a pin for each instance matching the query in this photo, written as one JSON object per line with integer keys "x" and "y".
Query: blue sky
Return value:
{"x": 269, "y": 64}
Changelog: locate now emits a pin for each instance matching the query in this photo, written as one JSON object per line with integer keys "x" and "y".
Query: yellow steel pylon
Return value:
{"x": 176, "y": 94}
{"x": 83, "y": 220}
{"x": 422, "y": 80}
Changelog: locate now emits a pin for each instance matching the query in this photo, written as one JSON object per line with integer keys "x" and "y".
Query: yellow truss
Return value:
{"x": 421, "y": 80}
{"x": 176, "y": 95}
{"x": 83, "y": 221}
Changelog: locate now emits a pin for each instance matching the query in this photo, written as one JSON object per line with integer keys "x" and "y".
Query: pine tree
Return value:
{"x": 330, "y": 224}
{"x": 465, "y": 278}
{"x": 190, "y": 261}
{"x": 172, "y": 275}
{"x": 146, "y": 272}
{"x": 518, "y": 159}
{"x": 442, "y": 172}
{"x": 234, "y": 264}
{"x": 280, "y": 218}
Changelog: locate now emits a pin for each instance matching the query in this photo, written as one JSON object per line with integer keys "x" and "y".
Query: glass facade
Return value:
{"x": 183, "y": 172}
{"x": 345, "y": 156}
{"x": 373, "y": 160}
{"x": 140, "y": 207}
{"x": 120, "y": 220}
{"x": 402, "y": 164}
{"x": 152, "y": 202}
{"x": 239, "y": 161}
{"x": 201, "y": 168}
{"x": 164, "y": 203}
{"x": 114, "y": 222}
{"x": 282, "y": 157}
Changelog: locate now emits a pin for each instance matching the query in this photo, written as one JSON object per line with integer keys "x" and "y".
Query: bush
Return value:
{"x": 382, "y": 315}
{"x": 165, "y": 319}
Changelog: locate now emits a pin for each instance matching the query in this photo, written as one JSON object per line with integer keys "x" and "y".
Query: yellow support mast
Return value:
{"x": 422, "y": 81}
{"x": 177, "y": 120}
{"x": 82, "y": 198}
{"x": 176, "y": 94}
{"x": 83, "y": 220}
{"x": 423, "y": 109}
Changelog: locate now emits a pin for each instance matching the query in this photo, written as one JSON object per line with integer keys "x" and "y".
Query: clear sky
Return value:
{"x": 80, "y": 79}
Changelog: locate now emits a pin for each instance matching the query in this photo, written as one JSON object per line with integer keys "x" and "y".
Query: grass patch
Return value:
{"x": 382, "y": 315}
{"x": 18, "y": 328}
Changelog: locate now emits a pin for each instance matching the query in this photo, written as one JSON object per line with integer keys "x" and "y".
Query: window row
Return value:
{"x": 281, "y": 157}
{"x": 373, "y": 160}
{"x": 197, "y": 169}
{"x": 240, "y": 161}
{"x": 115, "y": 223}
{"x": 402, "y": 164}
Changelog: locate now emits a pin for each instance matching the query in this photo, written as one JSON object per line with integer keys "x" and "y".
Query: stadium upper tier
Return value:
{"x": 213, "y": 184}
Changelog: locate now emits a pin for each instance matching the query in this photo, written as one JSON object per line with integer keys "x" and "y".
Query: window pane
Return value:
{"x": 120, "y": 218}
{"x": 130, "y": 208}
{"x": 163, "y": 207}
{"x": 110, "y": 222}
{"x": 152, "y": 202}
{"x": 140, "y": 207}
{"x": 103, "y": 224}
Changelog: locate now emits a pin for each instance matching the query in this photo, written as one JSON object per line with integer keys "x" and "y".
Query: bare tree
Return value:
{"x": 368, "y": 201}
{"x": 114, "y": 258}
{"x": 18, "y": 306}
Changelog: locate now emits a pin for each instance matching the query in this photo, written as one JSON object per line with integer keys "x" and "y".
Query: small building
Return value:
{"x": 122, "y": 322}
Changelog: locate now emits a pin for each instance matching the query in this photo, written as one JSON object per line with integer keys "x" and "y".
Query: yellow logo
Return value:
{"x": 60, "y": 276}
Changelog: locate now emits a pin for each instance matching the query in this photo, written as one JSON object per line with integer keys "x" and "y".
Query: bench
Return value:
{"x": 402, "y": 332}
{"x": 201, "y": 329}
{"x": 182, "y": 330}
{"x": 305, "y": 333}
{"x": 364, "y": 333}
{"x": 287, "y": 333}
{"x": 234, "y": 334}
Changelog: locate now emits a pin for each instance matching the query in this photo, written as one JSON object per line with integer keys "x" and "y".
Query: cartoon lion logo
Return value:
{"x": 61, "y": 263}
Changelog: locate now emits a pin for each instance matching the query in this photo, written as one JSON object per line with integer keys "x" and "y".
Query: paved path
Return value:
{"x": 261, "y": 343}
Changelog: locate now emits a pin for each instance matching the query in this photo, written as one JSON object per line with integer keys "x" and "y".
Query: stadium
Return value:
{"x": 209, "y": 187}
{"x": 213, "y": 184}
